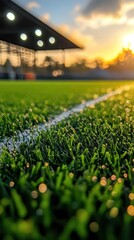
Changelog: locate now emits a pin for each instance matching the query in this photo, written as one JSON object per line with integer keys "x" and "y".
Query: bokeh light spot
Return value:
{"x": 94, "y": 227}
{"x": 42, "y": 188}
{"x": 130, "y": 210}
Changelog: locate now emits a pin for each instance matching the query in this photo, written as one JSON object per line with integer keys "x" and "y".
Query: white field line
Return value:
{"x": 13, "y": 143}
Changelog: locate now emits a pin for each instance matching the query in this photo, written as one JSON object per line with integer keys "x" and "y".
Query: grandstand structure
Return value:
{"x": 22, "y": 35}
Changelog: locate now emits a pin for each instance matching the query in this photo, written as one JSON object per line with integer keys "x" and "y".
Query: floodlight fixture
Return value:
{"x": 40, "y": 43}
{"x": 23, "y": 37}
{"x": 38, "y": 32}
{"x": 10, "y": 16}
{"x": 52, "y": 40}
{"x": 21, "y": 28}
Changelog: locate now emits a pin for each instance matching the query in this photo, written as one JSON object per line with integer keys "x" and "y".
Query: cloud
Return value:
{"x": 85, "y": 40}
{"x": 103, "y": 7}
{"x": 45, "y": 17}
{"x": 32, "y": 5}
{"x": 130, "y": 13}
{"x": 99, "y": 21}
{"x": 102, "y": 13}
{"x": 64, "y": 28}
{"x": 128, "y": 9}
{"x": 77, "y": 8}
{"x": 130, "y": 22}
{"x": 76, "y": 35}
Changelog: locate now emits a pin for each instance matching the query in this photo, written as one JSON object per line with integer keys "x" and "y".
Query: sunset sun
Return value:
{"x": 128, "y": 42}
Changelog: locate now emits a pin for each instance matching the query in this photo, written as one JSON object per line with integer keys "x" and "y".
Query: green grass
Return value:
{"x": 25, "y": 104}
{"x": 75, "y": 181}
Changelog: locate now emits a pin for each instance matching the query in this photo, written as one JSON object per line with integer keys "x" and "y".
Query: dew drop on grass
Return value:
{"x": 119, "y": 180}
{"x": 42, "y": 188}
{"x": 114, "y": 212}
{"x": 34, "y": 194}
{"x": 103, "y": 166}
{"x": 94, "y": 227}
{"x": 103, "y": 182}
{"x": 110, "y": 203}
{"x": 92, "y": 106}
{"x": 125, "y": 175}
{"x": 95, "y": 96}
{"x": 94, "y": 179}
{"x": 27, "y": 165}
{"x": 46, "y": 164}
{"x": 131, "y": 196}
{"x": 113, "y": 177}
{"x": 130, "y": 210}
{"x": 71, "y": 175}
{"x": 11, "y": 183}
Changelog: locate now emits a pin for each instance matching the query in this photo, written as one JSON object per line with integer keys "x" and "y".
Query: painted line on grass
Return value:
{"x": 29, "y": 135}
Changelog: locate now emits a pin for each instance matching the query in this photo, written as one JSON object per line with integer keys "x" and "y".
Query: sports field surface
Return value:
{"x": 76, "y": 179}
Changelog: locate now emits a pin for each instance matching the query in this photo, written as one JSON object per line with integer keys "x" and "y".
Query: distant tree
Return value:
{"x": 49, "y": 63}
{"x": 99, "y": 63}
{"x": 79, "y": 65}
{"x": 123, "y": 62}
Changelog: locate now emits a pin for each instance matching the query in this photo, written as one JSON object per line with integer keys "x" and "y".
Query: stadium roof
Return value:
{"x": 19, "y": 27}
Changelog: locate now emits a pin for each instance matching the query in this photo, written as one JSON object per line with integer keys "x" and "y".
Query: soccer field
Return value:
{"x": 25, "y": 104}
{"x": 75, "y": 180}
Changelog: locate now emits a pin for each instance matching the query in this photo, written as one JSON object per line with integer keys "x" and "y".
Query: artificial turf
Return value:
{"x": 75, "y": 181}
{"x": 25, "y": 104}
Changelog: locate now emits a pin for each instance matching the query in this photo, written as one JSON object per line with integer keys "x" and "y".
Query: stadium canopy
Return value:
{"x": 19, "y": 27}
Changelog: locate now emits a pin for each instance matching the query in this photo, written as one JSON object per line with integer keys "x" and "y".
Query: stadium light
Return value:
{"x": 52, "y": 40}
{"x": 23, "y": 37}
{"x": 40, "y": 43}
{"x": 38, "y": 32}
{"x": 10, "y": 16}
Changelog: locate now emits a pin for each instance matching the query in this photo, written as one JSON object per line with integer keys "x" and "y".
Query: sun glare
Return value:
{"x": 128, "y": 42}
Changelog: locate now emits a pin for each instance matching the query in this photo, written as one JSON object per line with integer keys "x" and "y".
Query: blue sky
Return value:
{"x": 103, "y": 27}
{"x": 59, "y": 11}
